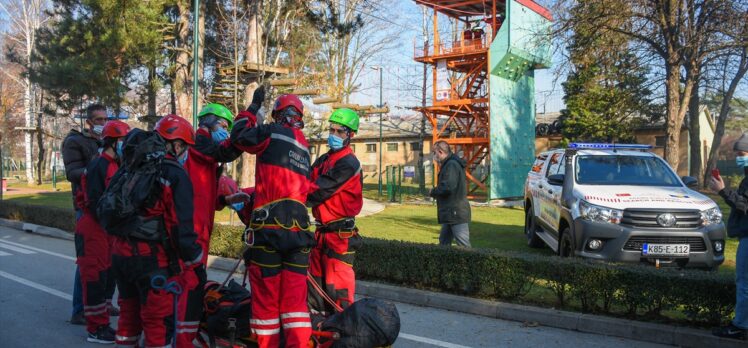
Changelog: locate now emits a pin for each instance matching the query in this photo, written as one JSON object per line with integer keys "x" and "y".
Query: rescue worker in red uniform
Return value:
{"x": 203, "y": 165}
{"x": 279, "y": 231}
{"x": 91, "y": 240}
{"x": 336, "y": 198}
{"x": 137, "y": 262}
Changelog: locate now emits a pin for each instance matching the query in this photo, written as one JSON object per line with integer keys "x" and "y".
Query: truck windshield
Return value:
{"x": 624, "y": 170}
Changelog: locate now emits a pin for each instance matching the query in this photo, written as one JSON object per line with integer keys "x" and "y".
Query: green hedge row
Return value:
{"x": 634, "y": 291}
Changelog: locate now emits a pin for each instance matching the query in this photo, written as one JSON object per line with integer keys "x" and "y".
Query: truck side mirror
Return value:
{"x": 556, "y": 179}
{"x": 690, "y": 181}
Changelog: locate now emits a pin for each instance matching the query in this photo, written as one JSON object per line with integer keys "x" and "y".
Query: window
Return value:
{"x": 624, "y": 170}
{"x": 415, "y": 146}
{"x": 371, "y": 147}
{"x": 660, "y": 141}
{"x": 537, "y": 167}
{"x": 555, "y": 164}
{"x": 391, "y": 147}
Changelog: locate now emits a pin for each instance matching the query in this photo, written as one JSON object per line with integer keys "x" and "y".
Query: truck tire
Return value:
{"x": 531, "y": 227}
{"x": 566, "y": 244}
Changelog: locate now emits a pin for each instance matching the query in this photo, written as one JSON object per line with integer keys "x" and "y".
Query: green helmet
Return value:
{"x": 345, "y": 117}
{"x": 218, "y": 110}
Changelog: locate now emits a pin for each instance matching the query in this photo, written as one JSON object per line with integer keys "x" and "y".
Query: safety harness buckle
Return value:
{"x": 248, "y": 236}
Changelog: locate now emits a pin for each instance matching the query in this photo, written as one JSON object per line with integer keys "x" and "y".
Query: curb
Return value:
{"x": 588, "y": 323}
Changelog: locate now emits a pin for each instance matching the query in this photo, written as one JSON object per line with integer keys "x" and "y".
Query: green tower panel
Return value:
{"x": 521, "y": 46}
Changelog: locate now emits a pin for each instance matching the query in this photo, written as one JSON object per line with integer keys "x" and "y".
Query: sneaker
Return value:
{"x": 730, "y": 331}
{"x": 104, "y": 334}
{"x": 78, "y": 319}
{"x": 113, "y": 311}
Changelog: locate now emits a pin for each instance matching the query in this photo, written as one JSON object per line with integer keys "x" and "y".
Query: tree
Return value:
{"x": 606, "y": 93}
{"x": 26, "y": 17}
{"x": 675, "y": 37}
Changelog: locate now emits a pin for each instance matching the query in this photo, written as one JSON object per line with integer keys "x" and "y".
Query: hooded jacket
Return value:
{"x": 451, "y": 192}
{"x": 78, "y": 149}
{"x": 737, "y": 223}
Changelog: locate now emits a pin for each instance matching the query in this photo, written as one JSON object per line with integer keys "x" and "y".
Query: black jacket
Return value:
{"x": 737, "y": 223}
{"x": 451, "y": 192}
{"x": 78, "y": 149}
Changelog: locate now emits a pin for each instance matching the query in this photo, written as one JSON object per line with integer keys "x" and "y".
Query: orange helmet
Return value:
{"x": 115, "y": 129}
{"x": 173, "y": 127}
{"x": 227, "y": 186}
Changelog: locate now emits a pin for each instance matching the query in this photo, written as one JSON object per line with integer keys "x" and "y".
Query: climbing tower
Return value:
{"x": 483, "y": 87}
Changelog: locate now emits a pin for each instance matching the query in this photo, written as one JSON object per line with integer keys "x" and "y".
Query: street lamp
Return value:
{"x": 381, "y": 104}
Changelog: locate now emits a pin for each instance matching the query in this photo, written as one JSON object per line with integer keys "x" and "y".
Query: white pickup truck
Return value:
{"x": 620, "y": 203}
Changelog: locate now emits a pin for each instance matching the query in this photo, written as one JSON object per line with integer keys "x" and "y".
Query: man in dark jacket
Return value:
{"x": 737, "y": 227}
{"x": 78, "y": 149}
{"x": 451, "y": 196}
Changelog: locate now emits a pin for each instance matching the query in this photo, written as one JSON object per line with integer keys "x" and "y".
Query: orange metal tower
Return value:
{"x": 459, "y": 114}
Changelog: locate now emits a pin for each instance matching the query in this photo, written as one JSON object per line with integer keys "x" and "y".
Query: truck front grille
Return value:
{"x": 648, "y": 218}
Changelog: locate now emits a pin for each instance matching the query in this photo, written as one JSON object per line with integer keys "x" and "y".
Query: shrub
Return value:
{"x": 62, "y": 218}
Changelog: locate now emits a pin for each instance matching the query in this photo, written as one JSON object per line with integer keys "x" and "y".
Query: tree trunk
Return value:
{"x": 40, "y": 142}
{"x": 694, "y": 132}
{"x": 182, "y": 70}
{"x": 724, "y": 112}
{"x": 28, "y": 107}
{"x": 672, "y": 132}
{"x": 151, "y": 91}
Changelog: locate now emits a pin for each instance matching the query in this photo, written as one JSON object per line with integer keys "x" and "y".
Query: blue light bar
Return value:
{"x": 604, "y": 146}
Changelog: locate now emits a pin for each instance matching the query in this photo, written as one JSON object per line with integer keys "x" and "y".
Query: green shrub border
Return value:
{"x": 638, "y": 292}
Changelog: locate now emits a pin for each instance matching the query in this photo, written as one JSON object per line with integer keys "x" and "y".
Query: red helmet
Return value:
{"x": 173, "y": 127}
{"x": 227, "y": 186}
{"x": 115, "y": 129}
{"x": 287, "y": 100}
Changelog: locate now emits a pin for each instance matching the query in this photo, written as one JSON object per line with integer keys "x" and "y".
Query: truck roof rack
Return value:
{"x": 607, "y": 146}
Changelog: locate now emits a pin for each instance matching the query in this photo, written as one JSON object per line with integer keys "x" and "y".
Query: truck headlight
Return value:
{"x": 711, "y": 216}
{"x": 591, "y": 212}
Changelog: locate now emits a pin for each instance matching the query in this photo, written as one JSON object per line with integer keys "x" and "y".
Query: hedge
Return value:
{"x": 635, "y": 291}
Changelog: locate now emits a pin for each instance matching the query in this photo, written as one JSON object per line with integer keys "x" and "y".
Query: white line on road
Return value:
{"x": 39, "y": 250}
{"x": 16, "y": 249}
{"x": 430, "y": 341}
{"x": 2, "y": 253}
{"x": 36, "y": 286}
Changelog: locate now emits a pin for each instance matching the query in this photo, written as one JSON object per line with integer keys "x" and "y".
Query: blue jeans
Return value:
{"x": 458, "y": 232}
{"x": 77, "y": 287}
{"x": 741, "y": 285}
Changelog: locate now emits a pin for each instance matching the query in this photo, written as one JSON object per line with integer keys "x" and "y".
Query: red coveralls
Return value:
{"x": 336, "y": 198}
{"x": 279, "y": 257}
{"x": 202, "y": 166}
{"x": 135, "y": 262}
{"x": 92, "y": 243}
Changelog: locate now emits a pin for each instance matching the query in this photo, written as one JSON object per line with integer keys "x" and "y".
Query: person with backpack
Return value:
{"x": 336, "y": 198}
{"x": 149, "y": 208}
{"x": 203, "y": 165}
{"x": 278, "y": 233}
{"x": 92, "y": 241}
{"x": 78, "y": 149}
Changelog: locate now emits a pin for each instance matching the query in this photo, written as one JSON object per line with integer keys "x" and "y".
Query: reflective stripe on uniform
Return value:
{"x": 295, "y": 315}
{"x": 264, "y": 321}
{"x": 126, "y": 338}
{"x": 260, "y": 332}
{"x": 288, "y": 139}
{"x": 297, "y": 324}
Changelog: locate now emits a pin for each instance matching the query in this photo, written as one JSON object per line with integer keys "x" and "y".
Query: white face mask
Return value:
{"x": 97, "y": 129}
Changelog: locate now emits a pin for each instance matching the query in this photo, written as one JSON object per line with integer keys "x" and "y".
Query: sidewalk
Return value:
{"x": 371, "y": 207}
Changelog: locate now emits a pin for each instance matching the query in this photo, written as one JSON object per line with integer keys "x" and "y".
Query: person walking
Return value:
{"x": 737, "y": 227}
{"x": 78, "y": 149}
{"x": 451, "y": 196}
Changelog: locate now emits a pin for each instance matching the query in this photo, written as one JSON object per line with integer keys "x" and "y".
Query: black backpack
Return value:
{"x": 135, "y": 187}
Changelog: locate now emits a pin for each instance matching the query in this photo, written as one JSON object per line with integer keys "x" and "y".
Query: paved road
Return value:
{"x": 36, "y": 283}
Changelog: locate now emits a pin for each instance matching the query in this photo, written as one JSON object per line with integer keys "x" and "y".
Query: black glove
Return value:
{"x": 202, "y": 276}
{"x": 208, "y": 121}
{"x": 257, "y": 99}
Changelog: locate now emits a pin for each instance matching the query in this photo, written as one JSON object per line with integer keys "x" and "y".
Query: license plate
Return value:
{"x": 666, "y": 249}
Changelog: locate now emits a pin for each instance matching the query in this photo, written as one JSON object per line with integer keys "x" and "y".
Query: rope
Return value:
{"x": 323, "y": 294}
{"x": 159, "y": 282}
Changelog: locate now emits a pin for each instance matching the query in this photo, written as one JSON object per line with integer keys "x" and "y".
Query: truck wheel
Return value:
{"x": 533, "y": 241}
{"x": 566, "y": 244}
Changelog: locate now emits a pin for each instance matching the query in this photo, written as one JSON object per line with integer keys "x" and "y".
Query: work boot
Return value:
{"x": 730, "y": 331}
{"x": 113, "y": 311}
{"x": 78, "y": 319}
{"x": 104, "y": 334}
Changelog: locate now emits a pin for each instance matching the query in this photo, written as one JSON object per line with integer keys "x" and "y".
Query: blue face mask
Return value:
{"x": 742, "y": 161}
{"x": 219, "y": 135}
{"x": 335, "y": 142}
{"x": 183, "y": 158}
{"x": 118, "y": 149}
{"x": 237, "y": 206}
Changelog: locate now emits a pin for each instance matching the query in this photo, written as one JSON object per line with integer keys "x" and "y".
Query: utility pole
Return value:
{"x": 381, "y": 104}
{"x": 195, "y": 59}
